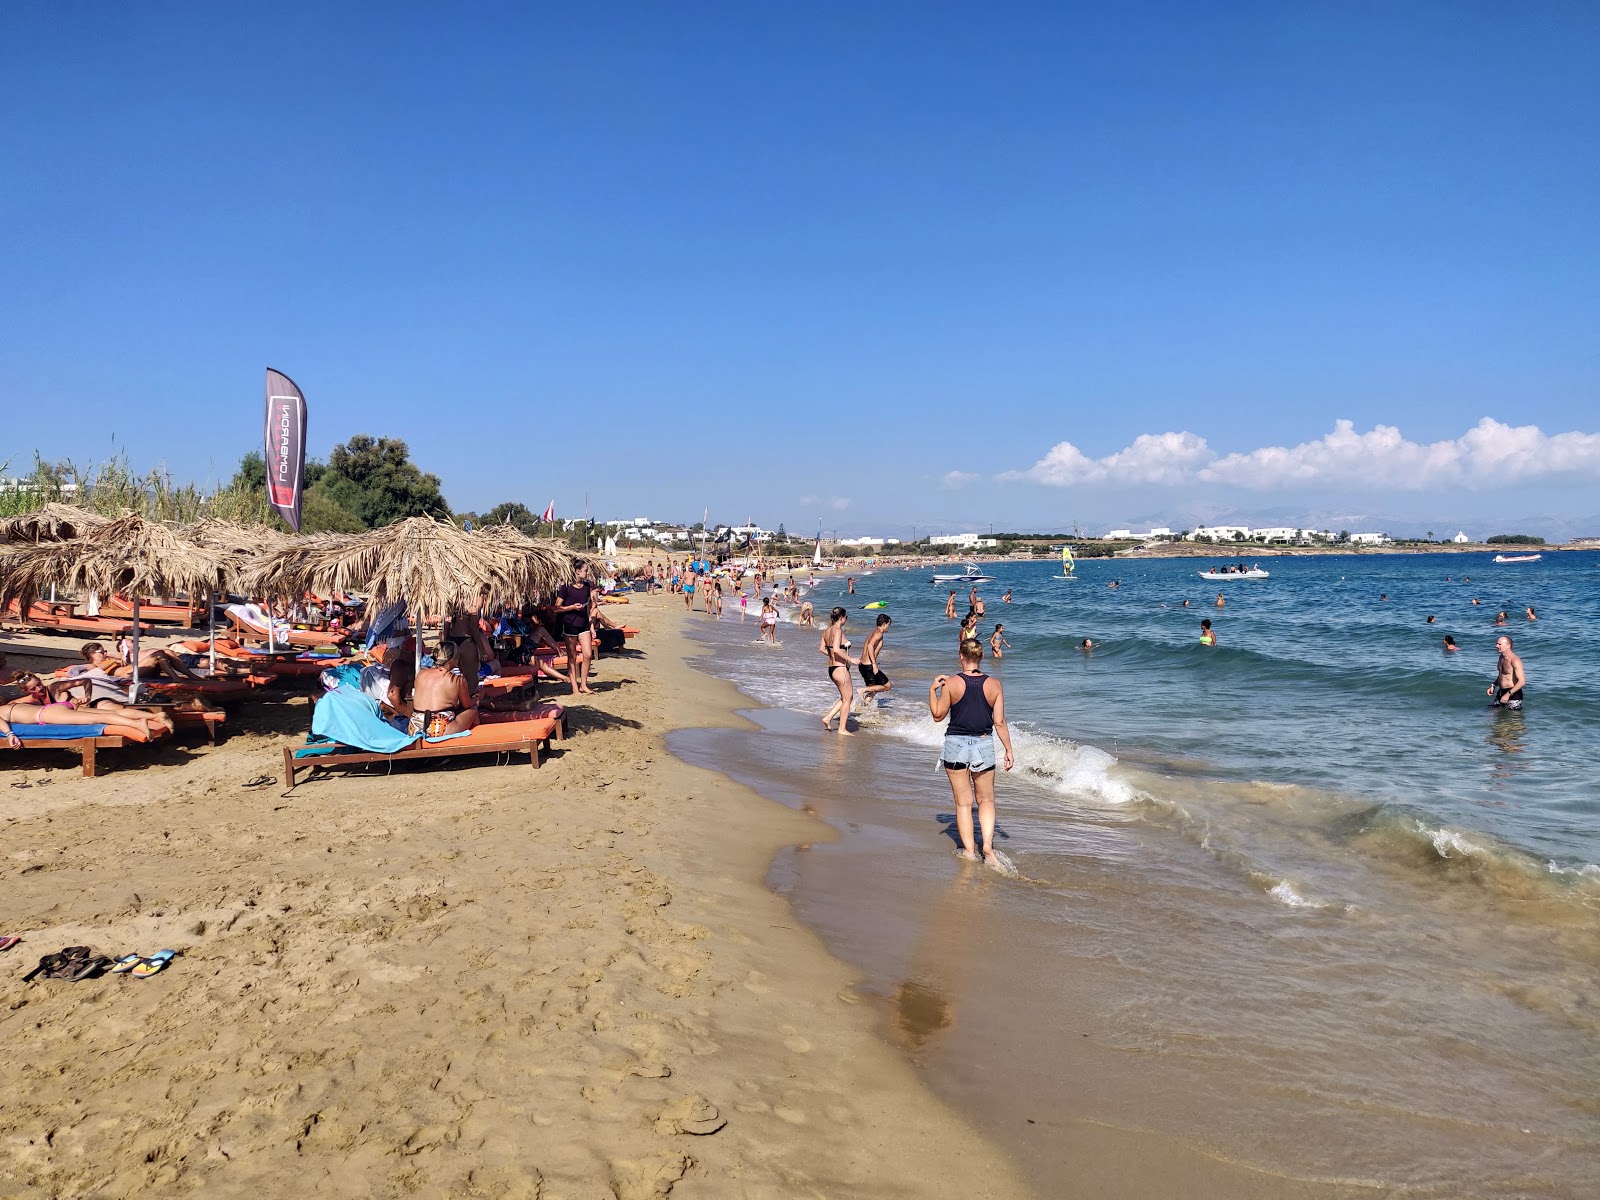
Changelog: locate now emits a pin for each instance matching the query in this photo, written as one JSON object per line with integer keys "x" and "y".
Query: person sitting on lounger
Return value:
{"x": 440, "y": 702}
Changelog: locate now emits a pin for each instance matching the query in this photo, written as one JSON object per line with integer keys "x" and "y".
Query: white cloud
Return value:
{"x": 956, "y": 479}
{"x": 837, "y": 503}
{"x": 1153, "y": 458}
{"x": 1489, "y": 454}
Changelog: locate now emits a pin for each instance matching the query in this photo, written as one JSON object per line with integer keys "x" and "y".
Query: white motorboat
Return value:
{"x": 1252, "y": 573}
{"x": 973, "y": 574}
{"x": 1505, "y": 558}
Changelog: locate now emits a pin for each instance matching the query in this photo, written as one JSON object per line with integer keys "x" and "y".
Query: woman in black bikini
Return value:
{"x": 834, "y": 645}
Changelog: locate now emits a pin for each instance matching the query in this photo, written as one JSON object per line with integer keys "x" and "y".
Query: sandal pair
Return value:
{"x": 142, "y": 967}
{"x": 71, "y": 965}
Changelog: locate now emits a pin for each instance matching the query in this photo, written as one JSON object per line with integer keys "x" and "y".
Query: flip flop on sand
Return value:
{"x": 124, "y": 964}
{"x": 8, "y": 940}
{"x": 155, "y": 964}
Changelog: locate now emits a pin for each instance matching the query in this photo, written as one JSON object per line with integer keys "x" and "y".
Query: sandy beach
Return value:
{"x": 455, "y": 980}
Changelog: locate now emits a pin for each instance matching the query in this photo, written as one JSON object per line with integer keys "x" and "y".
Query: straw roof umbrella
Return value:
{"x": 50, "y": 523}
{"x": 129, "y": 554}
{"x": 239, "y": 546}
{"x": 433, "y": 566}
{"x": 559, "y": 551}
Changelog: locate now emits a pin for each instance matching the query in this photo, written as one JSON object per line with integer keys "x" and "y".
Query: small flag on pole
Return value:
{"x": 550, "y": 512}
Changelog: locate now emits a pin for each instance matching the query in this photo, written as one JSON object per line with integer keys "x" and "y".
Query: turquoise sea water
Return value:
{"x": 1307, "y": 876}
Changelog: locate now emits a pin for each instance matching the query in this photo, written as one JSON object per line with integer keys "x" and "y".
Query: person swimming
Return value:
{"x": 1207, "y": 637}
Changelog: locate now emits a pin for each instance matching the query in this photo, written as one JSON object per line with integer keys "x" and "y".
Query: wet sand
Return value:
{"x": 455, "y": 980}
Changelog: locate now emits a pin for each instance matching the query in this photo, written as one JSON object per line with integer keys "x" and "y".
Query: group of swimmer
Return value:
{"x": 974, "y": 702}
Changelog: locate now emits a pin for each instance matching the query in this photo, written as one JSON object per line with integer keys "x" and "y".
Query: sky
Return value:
{"x": 867, "y": 268}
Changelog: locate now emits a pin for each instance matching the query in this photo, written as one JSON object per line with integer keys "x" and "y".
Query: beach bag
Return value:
{"x": 612, "y": 639}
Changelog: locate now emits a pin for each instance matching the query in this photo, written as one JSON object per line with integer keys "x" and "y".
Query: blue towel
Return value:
{"x": 58, "y": 733}
{"x": 347, "y": 715}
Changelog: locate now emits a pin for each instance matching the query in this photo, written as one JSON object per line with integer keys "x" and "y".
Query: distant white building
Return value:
{"x": 1221, "y": 533}
{"x": 1123, "y": 535}
{"x": 1370, "y": 539}
{"x": 962, "y": 541}
{"x": 1289, "y": 535}
{"x": 1461, "y": 539}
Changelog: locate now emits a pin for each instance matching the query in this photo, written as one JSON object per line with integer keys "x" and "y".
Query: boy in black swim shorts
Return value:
{"x": 876, "y": 681}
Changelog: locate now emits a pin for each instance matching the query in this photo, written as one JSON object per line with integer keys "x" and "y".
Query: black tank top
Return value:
{"x": 972, "y": 715}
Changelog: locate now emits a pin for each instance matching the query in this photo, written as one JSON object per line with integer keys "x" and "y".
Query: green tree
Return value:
{"x": 320, "y": 512}
{"x": 516, "y": 514}
{"x": 375, "y": 480}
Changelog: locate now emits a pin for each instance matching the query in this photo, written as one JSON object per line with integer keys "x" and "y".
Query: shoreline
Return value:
{"x": 901, "y": 941}
{"x": 477, "y": 981}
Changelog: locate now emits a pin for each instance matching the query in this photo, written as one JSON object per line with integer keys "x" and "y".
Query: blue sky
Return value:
{"x": 859, "y": 266}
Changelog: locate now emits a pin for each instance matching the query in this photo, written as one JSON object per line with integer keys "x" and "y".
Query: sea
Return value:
{"x": 1301, "y": 901}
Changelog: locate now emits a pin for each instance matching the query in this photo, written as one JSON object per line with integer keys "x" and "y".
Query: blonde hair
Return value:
{"x": 971, "y": 650}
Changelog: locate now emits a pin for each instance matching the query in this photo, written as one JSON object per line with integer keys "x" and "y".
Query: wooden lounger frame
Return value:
{"x": 85, "y": 746}
{"x": 350, "y": 757}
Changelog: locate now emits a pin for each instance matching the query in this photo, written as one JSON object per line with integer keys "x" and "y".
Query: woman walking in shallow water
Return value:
{"x": 976, "y": 706}
{"x": 834, "y": 645}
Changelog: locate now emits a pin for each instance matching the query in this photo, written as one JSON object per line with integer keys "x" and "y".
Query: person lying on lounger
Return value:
{"x": 440, "y": 702}
{"x": 153, "y": 662}
{"x": 90, "y": 689}
{"x": 41, "y": 709}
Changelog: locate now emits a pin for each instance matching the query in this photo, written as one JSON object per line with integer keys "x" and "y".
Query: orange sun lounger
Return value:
{"x": 112, "y": 737}
{"x": 187, "y": 615}
{"x": 498, "y": 737}
{"x": 44, "y": 615}
{"x": 309, "y": 639}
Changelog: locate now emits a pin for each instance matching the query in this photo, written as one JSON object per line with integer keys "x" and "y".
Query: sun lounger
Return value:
{"x": 187, "y": 615}
{"x": 63, "y": 618}
{"x": 248, "y": 629}
{"x": 84, "y": 739}
{"x": 510, "y": 737}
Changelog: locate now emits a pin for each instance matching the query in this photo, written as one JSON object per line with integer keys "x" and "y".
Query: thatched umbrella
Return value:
{"x": 128, "y": 554}
{"x": 50, "y": 523}
{"x": 542, "y": 547}
{"x": 239, "y": 546}
{"x": 432, "y": 566}
{"x": 53, "y": 522}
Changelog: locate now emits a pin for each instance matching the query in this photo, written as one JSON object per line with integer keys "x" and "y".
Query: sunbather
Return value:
{"x": 57, "y": 712}
{"x": 91, "y": 690}
{"x": 154, "y": 662}
{"x": 440, "y": 702}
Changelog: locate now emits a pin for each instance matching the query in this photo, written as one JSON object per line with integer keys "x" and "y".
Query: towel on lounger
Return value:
{"x": 61, "y": 733}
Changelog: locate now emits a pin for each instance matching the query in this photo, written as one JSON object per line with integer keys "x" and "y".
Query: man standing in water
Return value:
{"x": 1509, "y": 677}
{"x": 874, "y": 678}
{"x": 976, "y": 706}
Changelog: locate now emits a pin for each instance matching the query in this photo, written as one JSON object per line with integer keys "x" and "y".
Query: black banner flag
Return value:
{"x": 286, "y": 446}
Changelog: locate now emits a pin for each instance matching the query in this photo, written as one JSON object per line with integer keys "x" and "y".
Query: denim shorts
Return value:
{"x": 976, "y": 753}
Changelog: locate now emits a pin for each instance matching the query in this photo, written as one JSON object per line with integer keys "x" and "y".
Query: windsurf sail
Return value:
{"x": 816, "y": 555}
{"x": 1067, "y": 561}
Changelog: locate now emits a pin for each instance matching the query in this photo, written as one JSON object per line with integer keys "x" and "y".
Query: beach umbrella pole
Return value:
{"x": 133, "y": 693}
{"x": 211, "y": 622}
